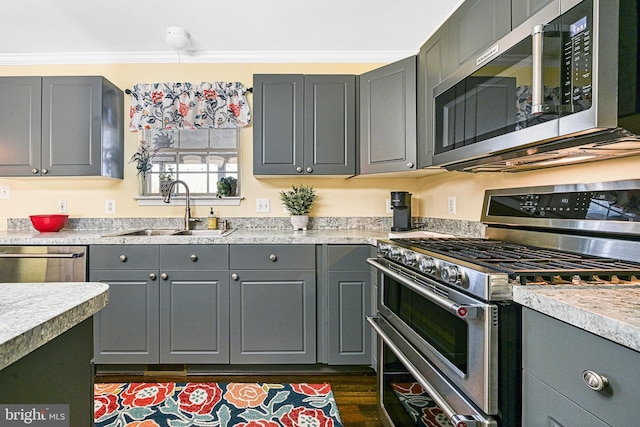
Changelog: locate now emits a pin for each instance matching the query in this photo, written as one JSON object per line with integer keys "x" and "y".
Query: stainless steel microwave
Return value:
{"x": 563, "y": 87}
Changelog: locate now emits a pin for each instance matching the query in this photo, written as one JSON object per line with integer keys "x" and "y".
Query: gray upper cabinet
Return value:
{"x": 388, "y": 118}
{"x": 433, "y": 68}
{"x": 304, "y": 125}
{"x": 475, "y": 25}
{"x": 61, "y": 126}
{"x": 521, "y": 10}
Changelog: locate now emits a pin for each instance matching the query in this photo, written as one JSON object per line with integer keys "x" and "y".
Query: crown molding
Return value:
{"x": 211, "y": 57}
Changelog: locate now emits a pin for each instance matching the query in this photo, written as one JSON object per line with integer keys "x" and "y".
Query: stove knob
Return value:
{"x": 409, "y": 258}
{"x": 450, "y": 274}
{"x": 383, "y": 248}
{"x": 395, "y": 253}
{"x": 426, "y": 264}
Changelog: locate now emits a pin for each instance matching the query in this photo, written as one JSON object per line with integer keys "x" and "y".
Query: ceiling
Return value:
{"x": 133, "y": 31}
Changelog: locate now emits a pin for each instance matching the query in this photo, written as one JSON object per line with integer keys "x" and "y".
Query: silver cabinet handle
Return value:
{"x": 594, "y": 380}
{"x": 235, "y": 276}
{"x": 45, "y": 171}
{"x": 299, "y": 169}
{"x": 122, "y": 258}
{"x": 34, "y": 171}
{"x": 309, "y": 169}
{"x": 164, "y": 276}
{"x": 273, "y": 257}
{"x": 410, "y": 165}
{"x": 152, "y": 276}
{"x": 194, "y": 257}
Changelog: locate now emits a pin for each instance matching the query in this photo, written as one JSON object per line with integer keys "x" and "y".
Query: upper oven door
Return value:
{"x": 37, "y": 264}
{"x": 533, "y": 86}
{"x": 456, "y": 333}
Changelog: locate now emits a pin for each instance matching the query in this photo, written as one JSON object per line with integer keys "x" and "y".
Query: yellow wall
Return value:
{"x": 337, "y": 196}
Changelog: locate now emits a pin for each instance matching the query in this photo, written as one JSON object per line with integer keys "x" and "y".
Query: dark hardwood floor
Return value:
{"x": 355, "y": 394}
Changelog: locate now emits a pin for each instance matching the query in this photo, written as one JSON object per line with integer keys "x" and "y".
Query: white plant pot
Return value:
{"x": 299, "y": 222}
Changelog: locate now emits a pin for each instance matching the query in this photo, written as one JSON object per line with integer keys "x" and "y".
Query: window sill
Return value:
{"x": 195, "y": 201}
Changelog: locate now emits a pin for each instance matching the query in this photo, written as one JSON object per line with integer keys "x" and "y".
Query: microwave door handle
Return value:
{"x": 537, "y": 75}
{"x": 463, "y": 311}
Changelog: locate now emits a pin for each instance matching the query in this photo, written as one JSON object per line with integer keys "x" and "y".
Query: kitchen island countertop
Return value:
{"x": 32, "y": 314}
{"x": 612, "y": 312}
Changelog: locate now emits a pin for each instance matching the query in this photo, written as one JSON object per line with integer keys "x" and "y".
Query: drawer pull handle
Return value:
{"x": 152, "y": 276}
{"x": 235, "y": 276}
{"x": 194, "y": 257}
{"x": 594, "y": 381}
{"x": 273, "y": 257}
{"x": 123, "y": 258}
{"x": 164, "y": 276}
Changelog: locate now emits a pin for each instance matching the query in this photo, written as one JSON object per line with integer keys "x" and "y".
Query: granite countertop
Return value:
{"x": 612, "y": 312}
{"x": 32, "y": 314}
{"x": 239, "y": 236}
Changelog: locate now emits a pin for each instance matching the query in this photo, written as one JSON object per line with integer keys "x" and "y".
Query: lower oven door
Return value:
{"x": 455, "y": 332}
{"x": 412, "y": 392}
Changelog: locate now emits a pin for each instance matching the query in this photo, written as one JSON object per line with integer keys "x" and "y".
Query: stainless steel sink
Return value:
{"x": 171, "y": 232}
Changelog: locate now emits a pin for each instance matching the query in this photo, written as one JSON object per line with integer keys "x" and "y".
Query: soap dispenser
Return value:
{"x": 212, "y": 221}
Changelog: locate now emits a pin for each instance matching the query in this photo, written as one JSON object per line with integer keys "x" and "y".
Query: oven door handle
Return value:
{"x": 47, "y": 255}
{"x": 463, "y": 311}
{"x": 457, "y": 420}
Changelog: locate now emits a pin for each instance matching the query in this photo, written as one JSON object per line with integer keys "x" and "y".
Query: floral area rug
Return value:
{"x": 214, "y": 404}
{"x": 422, "y": 409}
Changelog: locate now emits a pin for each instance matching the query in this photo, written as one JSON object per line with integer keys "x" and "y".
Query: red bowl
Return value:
{"x": 46, "y": 223}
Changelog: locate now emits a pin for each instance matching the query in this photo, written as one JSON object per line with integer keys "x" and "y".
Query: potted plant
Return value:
{"x": 165, "y": 181}
{"x": 298, "y": 202}
{"x": 227, "y": 186}
{"x": 143, "y": 157}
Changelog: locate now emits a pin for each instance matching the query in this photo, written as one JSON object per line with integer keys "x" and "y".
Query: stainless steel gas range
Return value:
{"x": 449, "y": 333}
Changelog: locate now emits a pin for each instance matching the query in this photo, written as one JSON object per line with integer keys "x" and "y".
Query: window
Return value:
{"x": 206, "y": 159}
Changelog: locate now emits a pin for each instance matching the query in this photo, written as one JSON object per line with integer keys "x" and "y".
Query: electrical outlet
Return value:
{"x": 62, "y": 206}
{"x": 263, "y": 205}
{"x": 110, "y": 207}
{"x": 4, "y": 191}
{"x": 451, "y": 205}
{"x": 387, "y": 206}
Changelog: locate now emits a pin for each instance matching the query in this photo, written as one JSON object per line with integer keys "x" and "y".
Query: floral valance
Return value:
{"x": 188, "y": 106}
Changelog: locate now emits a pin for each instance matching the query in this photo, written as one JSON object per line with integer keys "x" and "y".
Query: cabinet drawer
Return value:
{"x": 123, "y": 257}
{"x": 348, "y": 257}
{"x": 194, "y": 257}
{"x": 558, "y": 354}
{"x": 272, "y": 257}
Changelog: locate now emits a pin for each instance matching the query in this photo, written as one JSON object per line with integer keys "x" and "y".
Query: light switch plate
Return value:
{"x": 4, "y": 191}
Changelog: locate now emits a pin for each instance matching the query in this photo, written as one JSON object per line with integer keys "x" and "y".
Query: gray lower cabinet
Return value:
{"x": 61, "y": 126}
{"x": 273, "y": 295}
{"x": 349, "y": 300}
{"x": 555, "y": 358}
{"x": 304, "y": 124}
{"x": 168, "y": 304}
{"x": 388, "y": 118}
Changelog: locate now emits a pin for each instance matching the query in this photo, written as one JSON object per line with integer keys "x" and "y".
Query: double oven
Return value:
{"x": 449, "y": 334}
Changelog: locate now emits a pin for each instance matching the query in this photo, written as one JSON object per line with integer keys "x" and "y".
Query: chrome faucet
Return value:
{"x": 187, "y": 207}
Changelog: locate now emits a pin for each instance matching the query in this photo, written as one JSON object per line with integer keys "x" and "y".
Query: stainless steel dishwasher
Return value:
{"x": 36, "y": 264}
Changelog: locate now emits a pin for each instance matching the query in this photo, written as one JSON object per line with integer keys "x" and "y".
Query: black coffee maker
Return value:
{"x": 401, "y": 205}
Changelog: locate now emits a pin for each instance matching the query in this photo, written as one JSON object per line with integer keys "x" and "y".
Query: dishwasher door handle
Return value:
{"x": 64, "y": 255}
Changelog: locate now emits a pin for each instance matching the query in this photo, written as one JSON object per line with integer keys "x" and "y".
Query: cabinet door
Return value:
{"x": 475, "y": 25}
{"x": 278, "y": 124}
{"x": 349, "y": 304}
{"x": 274, "y": 317}
{"x": 20, "y": 119}
{"x": 388, "y": 118}
{"x": 194, "y": 316}
{"x": 433, "y": 68}
{"x": 330, "y": 125}
{"x": 72, "y": 124}
{"x": 521, "y": 10}
{"x": 126, "y": 330}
